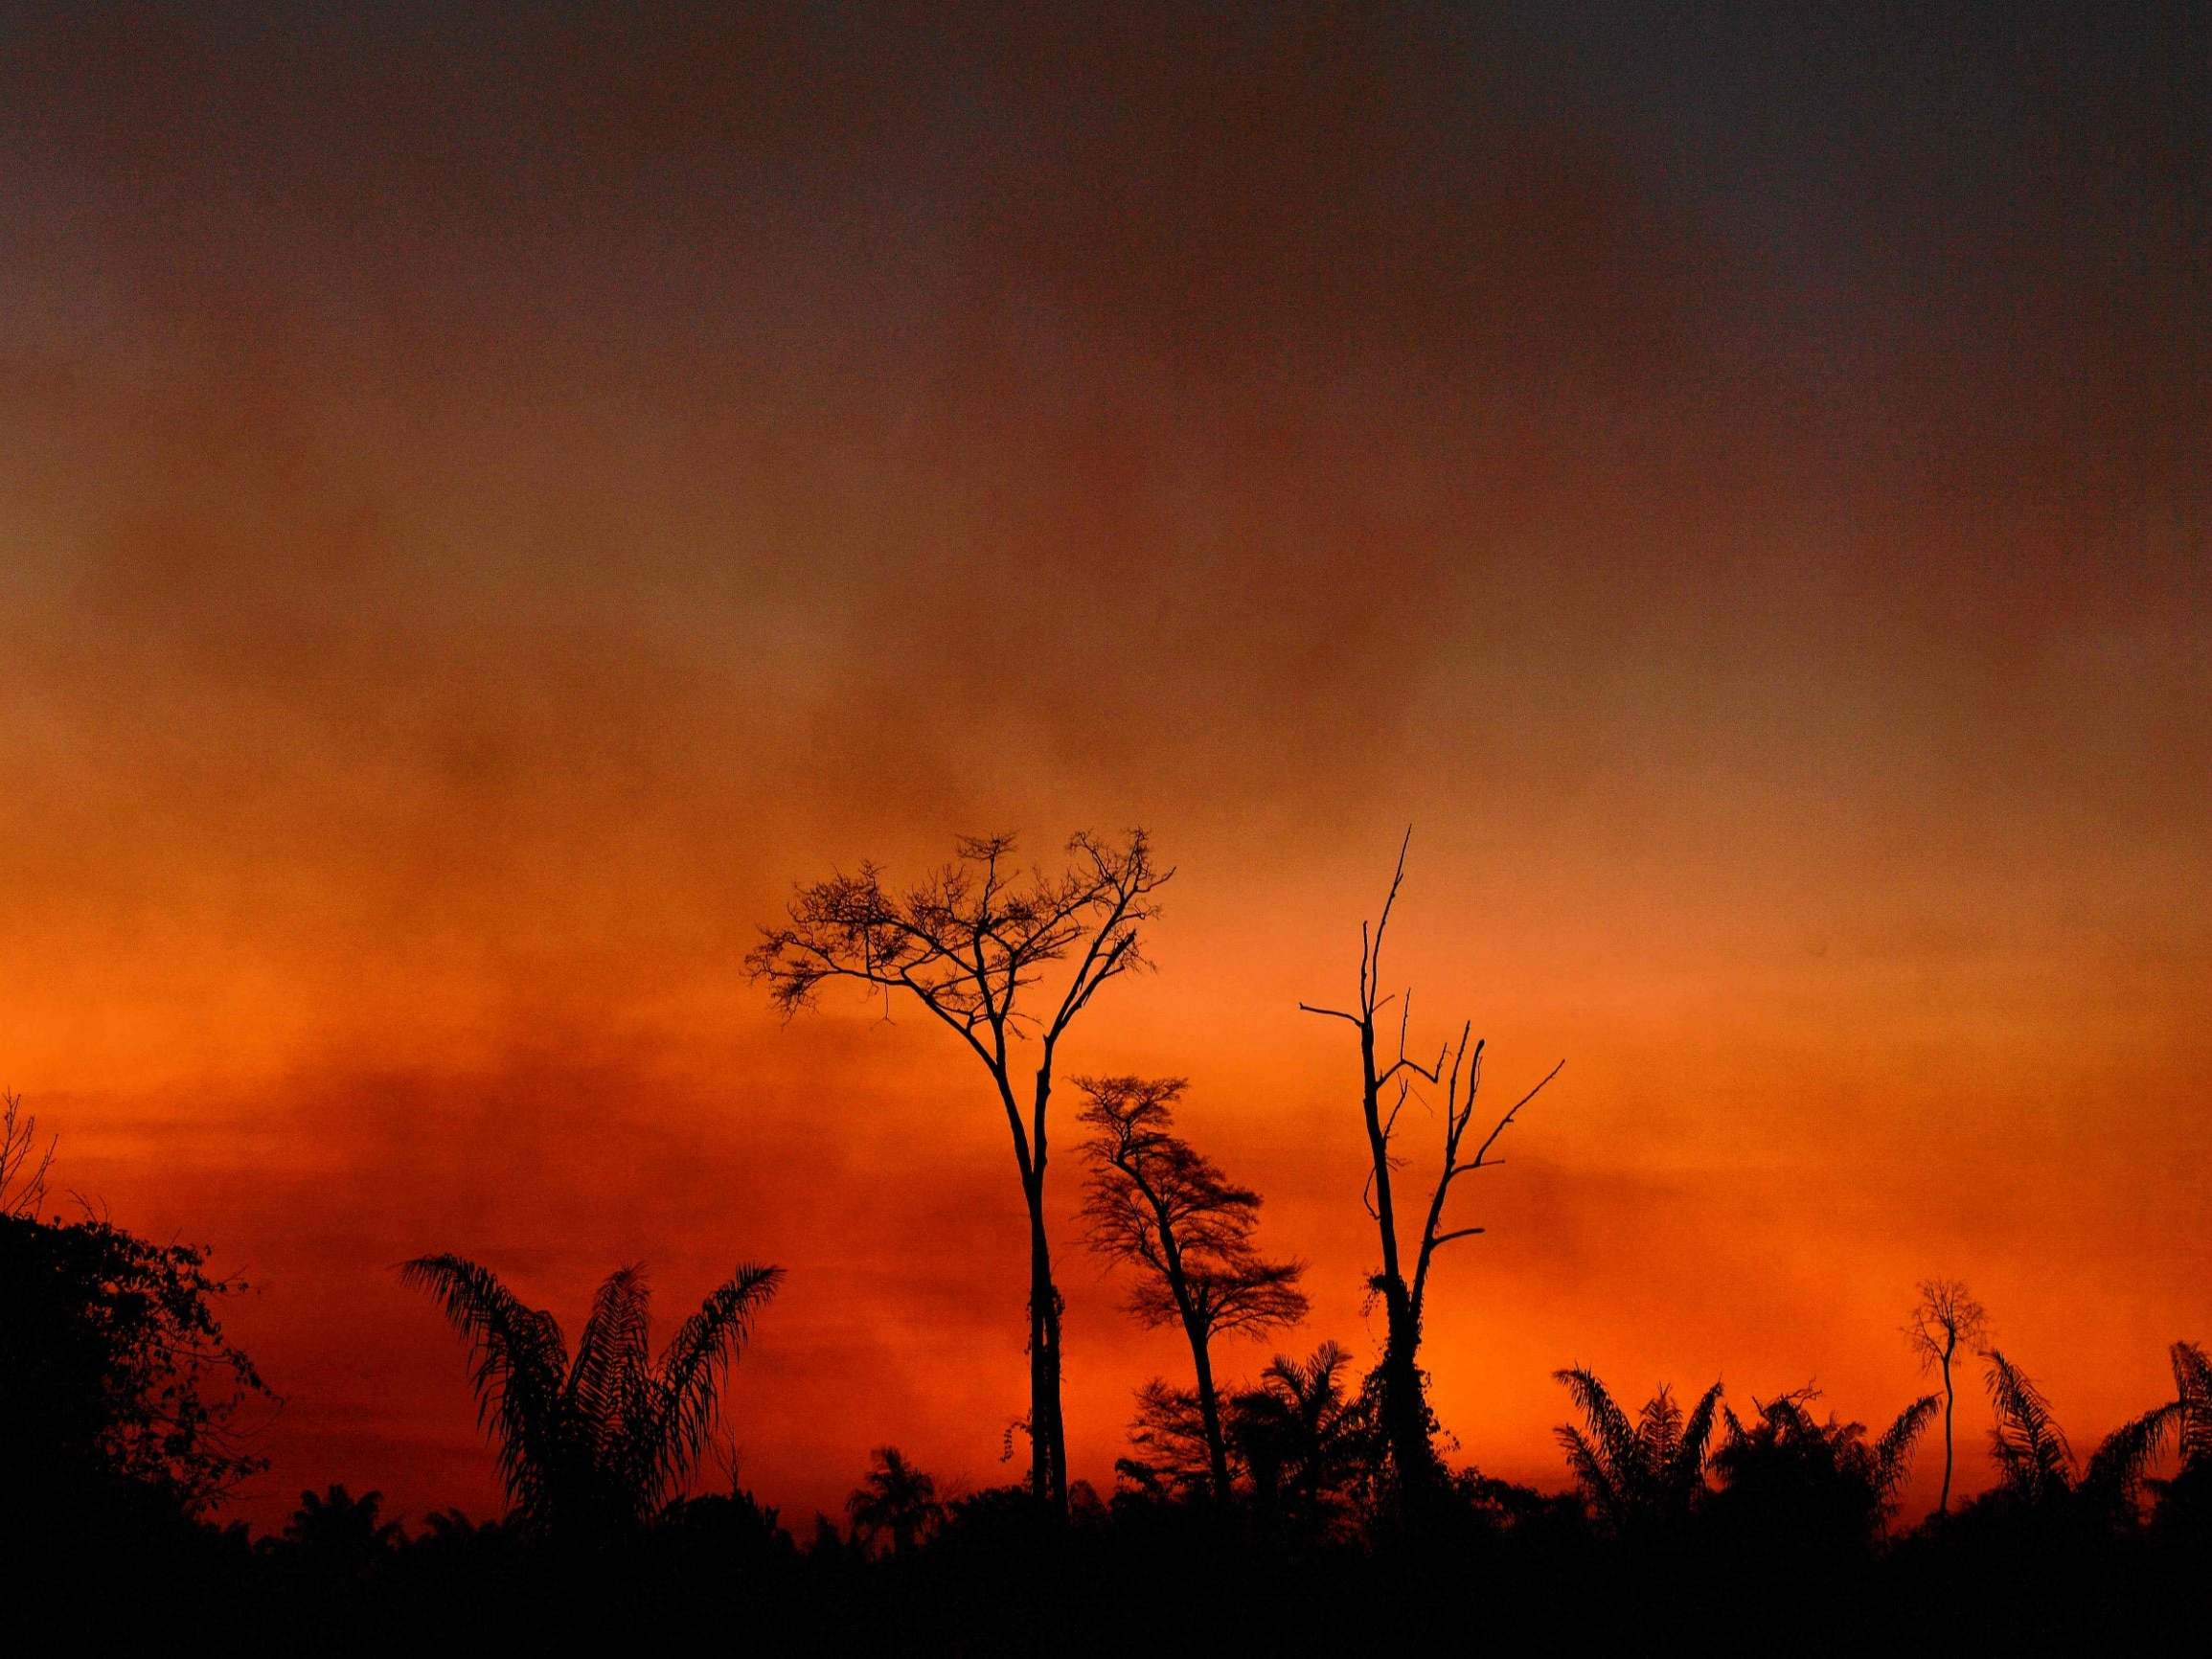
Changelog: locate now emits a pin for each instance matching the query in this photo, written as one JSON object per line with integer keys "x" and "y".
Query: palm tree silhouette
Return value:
{"x": 2036, "y": 1467}
{"x": 1301, "y": 1438}
{"x": 1641, "y": 1474}
{"x": 340, "y": 1533}
{"x": 602, "y": 1441}
{"x": 893, "y": 1500}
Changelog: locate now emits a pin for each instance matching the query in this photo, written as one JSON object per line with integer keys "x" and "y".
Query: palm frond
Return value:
{"x": 2027, "y": 1443}
{"x": 689, "y": 1379}
{"x": 1694, "y": 1440}
{"x": 1893, "y": 1451}
{"x": 2117, "y": 1467}
{"x": 1589, "y": 1471}
{"x": 611, "y": 1352}
{"x": 1614, "y": 1440}
{"x": 2193, "y": 1392}
{"x": 519, "y": 1359}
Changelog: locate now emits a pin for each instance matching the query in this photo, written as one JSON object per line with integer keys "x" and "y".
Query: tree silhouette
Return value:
{"x": 1642, "y": 1475}
{"x": 969, "y": 943}
{"x": 1945, "y": 1319}
{"x": 117, "y": 1388}
{"x": 893, "y": 1500}
{"x": 1305, "y": 1440}
{"x": 598, "y": 1443}
{"x": 1159, "y": 1204}
{"x": 2122, "y": 1460}
{"x": 337, "y": 1538}
{"x": 2185, "y": 1500}
{"x": 1458, "y": 1070}
{"x": 1170, "y": 1447}
{"x": 1791, "y": 1479}
{"x": 337, "y": 1521}
{"x": 2037, "y": 1473}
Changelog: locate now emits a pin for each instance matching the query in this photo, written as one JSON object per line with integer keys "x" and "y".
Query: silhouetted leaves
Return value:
{"x": 601, "y": 1442}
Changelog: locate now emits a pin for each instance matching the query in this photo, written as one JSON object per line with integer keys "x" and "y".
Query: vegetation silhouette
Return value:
{"x": 1387, "y": 1079}
{"x": 2042, "y": 1489}
{"x": 120, "y": 1395}
{"x": 1792, "y": 1482}
{"x": 596, "y": 1445}
{"x": 1156, "y": 1203}
{"x": 1311, "y": 1447}
{"x": 1642, "y": 1476}
{"x": 971, "y": 943}
{"x": 1279, "y": 1519}
{"x": 895, "y": 1501}
{"x": 1945, "y": 1319}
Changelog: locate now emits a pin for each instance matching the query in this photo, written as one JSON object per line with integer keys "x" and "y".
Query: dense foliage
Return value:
{"x": 118, "y": 1392}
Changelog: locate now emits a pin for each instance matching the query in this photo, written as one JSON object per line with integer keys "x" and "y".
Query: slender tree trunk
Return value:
{"x": 1210, "y": 1414}
{"x": 1943, "y": 1504}
{"x": 1047, "y": 1437}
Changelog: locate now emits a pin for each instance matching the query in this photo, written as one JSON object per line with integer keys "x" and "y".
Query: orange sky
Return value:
{"x": 489, "y": 504}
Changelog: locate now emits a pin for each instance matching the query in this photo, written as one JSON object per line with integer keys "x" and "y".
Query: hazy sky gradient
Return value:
{"x": 491, "y": 501}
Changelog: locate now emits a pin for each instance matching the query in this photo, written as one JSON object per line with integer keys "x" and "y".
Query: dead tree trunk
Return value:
{"x": 1385, "y": 1088}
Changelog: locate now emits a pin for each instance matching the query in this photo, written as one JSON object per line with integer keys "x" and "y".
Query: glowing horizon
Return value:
{"x": 498, "y": 502}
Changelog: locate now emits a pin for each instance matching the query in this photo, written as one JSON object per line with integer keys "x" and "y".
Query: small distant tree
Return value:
{"x": 601, "y": 1441}
{"x": 1387, "y": 1077}
{"x": 1945, "y": 1319}
{"x": 336, "y": 1538}
{"x": 896, "y": 1501}
{"x": 972, "y": 945}
{"x": 1159, "y": 1204}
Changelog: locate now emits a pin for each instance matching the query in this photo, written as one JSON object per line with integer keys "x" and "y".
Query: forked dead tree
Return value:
{"x": 1388, "y": 1079}
{"x": 1157, "y": 1203}
{"x": 972, "y": 945}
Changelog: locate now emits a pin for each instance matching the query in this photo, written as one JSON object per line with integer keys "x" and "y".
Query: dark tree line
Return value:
{"x": 1293, "y": 1509}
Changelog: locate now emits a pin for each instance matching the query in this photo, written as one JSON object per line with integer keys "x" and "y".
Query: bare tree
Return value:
{"x": 1945, "y": 1319}
{"x": 1159, "y": 1204}
{"x": 972, "y": 945}
{"x": 23, "y": 1164}
{"x": 1385, "y": 1085}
